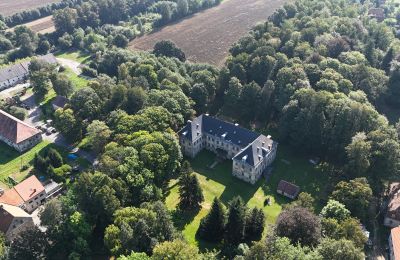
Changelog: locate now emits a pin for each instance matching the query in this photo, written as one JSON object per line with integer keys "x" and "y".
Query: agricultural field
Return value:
{"x": 219, "y": 182}
{"x": 208, "y": 35}
{"x": 42, "y": 25}
{"x": 10, "y": 7}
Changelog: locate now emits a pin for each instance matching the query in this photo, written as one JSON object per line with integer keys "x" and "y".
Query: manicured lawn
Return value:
{"x": 11, "y": 161}
{"x": 78, "y": 56}
{"x": 219, "y": 182}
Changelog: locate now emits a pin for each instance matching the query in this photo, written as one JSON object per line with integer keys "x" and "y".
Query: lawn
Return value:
{"x": 78, "y": 81}
{"x": 78, "y": 56}
{"x": 11, "y": 161}
{"x": 219, "y": 182}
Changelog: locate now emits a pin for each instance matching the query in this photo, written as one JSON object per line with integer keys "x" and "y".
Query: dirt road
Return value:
{"x": 207, "y": 36}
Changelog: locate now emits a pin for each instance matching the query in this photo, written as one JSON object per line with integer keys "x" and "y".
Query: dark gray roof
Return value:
{"x": 21, "y": 69}
{"x": 11, "y": 72}
{"x": 253, "y": 144}
{"x": 60, "y": 101}
{"x": 214, "y": 126}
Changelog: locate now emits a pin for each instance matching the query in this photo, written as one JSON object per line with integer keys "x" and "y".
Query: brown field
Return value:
{"x": 207, "y": 36}
{"x": 42, "y": 25}
{"x": 9, "y": 7}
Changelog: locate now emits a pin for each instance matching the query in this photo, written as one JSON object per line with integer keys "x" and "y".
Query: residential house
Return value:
{"x": 288, "y": 189}
{"x": 18, "y": 73}
{"x": 251, "y": 152}
{"x": 13, "y": 220}
{"x": 377, "y": 13}
{"x": 28, "y": 194}
{"x": 17, "y": 133}
{"x": 394, "y": 244}
{"x": 392, "y": 217}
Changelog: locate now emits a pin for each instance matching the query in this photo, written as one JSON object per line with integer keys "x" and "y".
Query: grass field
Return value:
{"x": 219, "y": 182}
{"x": 11, "y": 161}
{"x": 78, "y": 81}
{"x": 78, "y": 56}
{"x": 9, "y": 7}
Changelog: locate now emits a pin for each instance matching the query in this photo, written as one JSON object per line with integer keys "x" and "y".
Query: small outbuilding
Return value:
{"x": 288, "y": 189}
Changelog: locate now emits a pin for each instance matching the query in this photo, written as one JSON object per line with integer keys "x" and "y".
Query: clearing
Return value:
{"x": 219, "y": 182}
{"x": 208, "y": 35}
{"x": 42, "y": 25}
{"x": 10, "y": 7}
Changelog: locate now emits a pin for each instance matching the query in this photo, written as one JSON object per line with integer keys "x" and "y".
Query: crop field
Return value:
{"x": 9, "y": 7}
{"x": 208, "y": 35}
{"x": 42, "y": 25}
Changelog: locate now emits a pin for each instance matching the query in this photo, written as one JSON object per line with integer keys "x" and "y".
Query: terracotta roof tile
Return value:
{"x": 14, "y": 129}
{"x": 395, "y": 233}
{"x": 29, "y": 188}
{"x": 11, "y": 197}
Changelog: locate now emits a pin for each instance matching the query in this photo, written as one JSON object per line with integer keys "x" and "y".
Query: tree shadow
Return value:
{"x": 182, "y": 218}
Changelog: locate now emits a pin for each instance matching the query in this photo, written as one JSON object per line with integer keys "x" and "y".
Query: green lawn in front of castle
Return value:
{"x": 219, "y": 182}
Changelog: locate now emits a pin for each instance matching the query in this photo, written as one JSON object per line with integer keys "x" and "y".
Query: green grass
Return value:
{"x": 11, "y": 161}
{"x": 219, "y": 182}
{"x": 78, "y": 81}
{"x": 78, "y": 56}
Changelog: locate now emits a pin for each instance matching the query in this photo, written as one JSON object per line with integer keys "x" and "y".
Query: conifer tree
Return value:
{"x": 387, "y": 59}
{"x": 255, "y": 225}
{"x": 191, "y": 195}
{"x": 212, "y": 226}
{"x": 235, "y": 227}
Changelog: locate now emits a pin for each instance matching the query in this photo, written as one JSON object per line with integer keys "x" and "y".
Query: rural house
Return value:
{"x": 18, "y": 73}
{"x": 17, "y": 133}
{"x": 392, "y": 217}
{"x": 59, "y": 102}
{"x": 250, "y": 152}
{"x": 13, "y": 220}
{"x": 394, "y": 244}
{"x": 288, "y": 189}
{"x": 28, "y": 195}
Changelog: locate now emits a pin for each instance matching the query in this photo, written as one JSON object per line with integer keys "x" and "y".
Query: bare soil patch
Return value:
{"x": 10, "y": 7}
{"x": 207, "y": 36}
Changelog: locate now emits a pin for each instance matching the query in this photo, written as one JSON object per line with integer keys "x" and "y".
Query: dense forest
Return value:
{"x": 317, "y": 73}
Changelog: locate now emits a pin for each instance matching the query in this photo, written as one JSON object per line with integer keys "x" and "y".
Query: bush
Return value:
{"x": 87, "y": 71}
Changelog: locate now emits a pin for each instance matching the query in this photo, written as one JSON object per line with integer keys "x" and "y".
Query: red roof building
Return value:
{"x": 394, "y": 244}
{"x": 288, "y": 189}
{"x": 17, "y": 133}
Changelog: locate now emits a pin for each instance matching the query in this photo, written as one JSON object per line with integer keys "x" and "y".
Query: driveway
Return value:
{"x": 73, "y": 65}
{"x": 8, "y": 93}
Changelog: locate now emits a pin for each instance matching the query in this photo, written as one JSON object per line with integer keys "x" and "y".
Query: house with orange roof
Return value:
{"x": 392, "y": 216}
{"x": 28, "y": 195}
{"x": 394, "y": 244}
{"x": 17, "y": 133}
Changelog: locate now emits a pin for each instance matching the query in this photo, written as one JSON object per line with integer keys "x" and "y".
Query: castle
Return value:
{"x": 250, "y": 152}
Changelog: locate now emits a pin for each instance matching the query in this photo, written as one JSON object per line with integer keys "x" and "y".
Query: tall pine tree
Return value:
{"x": 191, "y": 195}
{"x": 212, "y": 226}
{"x": 235, "y": 227}
{"x": 255, "y": 225}
{"x": 387, "y": 59}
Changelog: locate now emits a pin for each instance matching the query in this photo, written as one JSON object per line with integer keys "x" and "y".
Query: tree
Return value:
{"x": 51, "y": 214}
{"x": 30, "y": 243}
{"x": 255, "y": 225}
{"x": 336, "y": 210}
{"x": 236, "y": 224}
{"x": 387, "y": 59}
{"x": 355, "y": 195}
{"x": 175, "y": 250}
{"x": 190, "y": 193}
{"x": 3, "y": 247}
{"x": 55, "y": 158}
{"x": 199, "y": 95}
{"x": 182, "y": 8}
{"x": 304, "y": 200}
{"x": 169, "y": 49}
{"x": 62, "y": 85}
{"x": 212, "y": 226}
{"x": 339, "y": 249}
{"x": 120, "y": 41}
{"x": 135, "y": 256}
{"x": 135, "y": 100}
{"x": 359, "y": 154}
{"x": 98, "y": 135}
{"x": 67, "y": 124}
{"x": 299, "y": 225}
{"x": 65, "y": 20}
{"x": 86, "y": 103}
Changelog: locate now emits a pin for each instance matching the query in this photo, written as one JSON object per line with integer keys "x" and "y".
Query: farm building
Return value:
{"x": 250, "y": 152}
{"x": 27, "y": 195}
{"x": 18, "y": 73}
{"x": 17, "y": 133}
{"x": 394, "y": 244}
{"x": 288, "y": 189}
{"x": 392, "y": 217}
{"x": 13, "y": 220}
